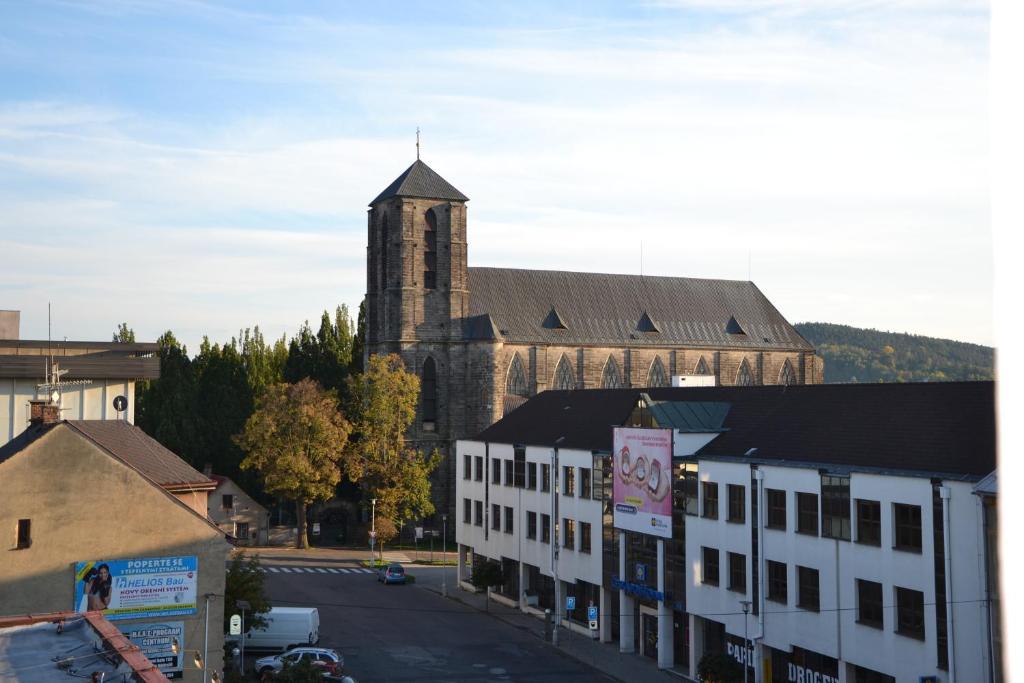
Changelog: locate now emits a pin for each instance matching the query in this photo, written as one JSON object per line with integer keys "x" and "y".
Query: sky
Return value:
{"x": 205, "y": 167}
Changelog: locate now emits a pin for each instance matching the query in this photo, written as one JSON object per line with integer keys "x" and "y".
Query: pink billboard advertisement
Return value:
{"x": 642, "y": 492}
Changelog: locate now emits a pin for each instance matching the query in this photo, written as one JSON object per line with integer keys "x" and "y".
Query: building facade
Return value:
{"x": 237, "y": 514}
{"x": 832, "y": 532}
{"x": 81, "y": 498}
{"x": 484, "y": 340}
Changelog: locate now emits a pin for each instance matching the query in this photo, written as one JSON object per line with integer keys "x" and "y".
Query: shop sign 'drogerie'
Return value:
{"x": 643, "y": 480}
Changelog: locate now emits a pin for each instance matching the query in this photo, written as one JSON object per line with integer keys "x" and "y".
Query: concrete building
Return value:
{"x": 838, "y": 530}
{"x": 236, "y": 513}
{"x": 483, "y": 340}
{"x": 81, "y": 498}
{"x": 93, "y": 374}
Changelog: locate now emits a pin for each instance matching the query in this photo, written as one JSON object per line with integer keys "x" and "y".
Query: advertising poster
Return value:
{"x": 642, "y": 488}
{"x": 157, "y": 642}
{"x": 131, "y": 589}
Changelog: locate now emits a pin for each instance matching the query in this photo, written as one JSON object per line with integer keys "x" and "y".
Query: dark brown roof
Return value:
{"x": 940, "y": 428}
{"x": 419, "y": 180}
{"x": 104, "y": 365}
{"x": 601, "y": 308}
{"x": 138, "y": 450}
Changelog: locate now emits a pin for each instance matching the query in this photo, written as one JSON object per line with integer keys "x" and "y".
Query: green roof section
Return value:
{"x": 689, "y": 416}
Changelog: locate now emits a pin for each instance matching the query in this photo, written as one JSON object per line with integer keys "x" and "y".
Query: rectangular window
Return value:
{"x": 228, "y": 501}
{"x": 478, "y": 512}
{"x": 737, "y": 504}
{"x": 910, "y": 613}
{"x": 510, "y": 517}
{"x": 242, "y": 530}
{"x": 807, "y": 513}
{"x": 495, "y": 517}
{"x": 569, "y": 533}
{"x": 531, "y": 476}
{"x": 907, "y": 521}
{"x": 519, "y": 473}
{"x": 584, "y": 482}
{"x": 509, "y": 473}
{"x": 24, "y": 539}
{"x": 545, "y": 477}
{"x": 776, "y": 508}
{"x": 531, "y": 525}
{"x": 495, "y": 471}
{"x": 584, "y": 537}
{"x": 545, "y": 528}
{"x": 737, "y": 572}
{"x": 568, "y": 480}
{"x": 808, "y": 596}
{"x": 467, "y": 510}
{"x": 479, "y": 468}
{"x": 869, "y": 522}
{"x": 467, "y": 466}
{"x": 869, "y": 603}
{"x": 778, "y": 582}
{"x": 690, "y": 496}
{"x": 709, "y": 566}
{"x": 835, "y": 507}
{"x": 710, "y": 496}
{"x": 430, "y": 276}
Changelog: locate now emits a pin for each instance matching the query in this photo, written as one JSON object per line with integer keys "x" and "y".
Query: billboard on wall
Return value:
{"x": 642, "y": 488}
{"x": 157, "y": 642}
{"x": 143, "y": 587}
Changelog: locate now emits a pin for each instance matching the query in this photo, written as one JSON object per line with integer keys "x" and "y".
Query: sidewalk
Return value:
{"x": 604, "y": 657}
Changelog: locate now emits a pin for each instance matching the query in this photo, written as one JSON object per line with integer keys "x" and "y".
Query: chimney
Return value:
{"x": 43, "y": 413}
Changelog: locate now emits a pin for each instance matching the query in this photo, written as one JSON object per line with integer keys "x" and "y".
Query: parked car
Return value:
{"x": 330, "y": 660}
{"x": 393, "y": 573}
{"x": 286, "y": 628}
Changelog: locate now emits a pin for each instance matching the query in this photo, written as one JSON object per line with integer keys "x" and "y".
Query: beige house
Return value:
{"x": 237, "y": 514}
{"x": 96, "y": 515}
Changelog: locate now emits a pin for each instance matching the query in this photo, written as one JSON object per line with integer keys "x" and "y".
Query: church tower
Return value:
{"x": 417, "y": 297}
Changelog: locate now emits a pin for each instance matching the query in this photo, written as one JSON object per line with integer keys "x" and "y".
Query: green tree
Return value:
{"x": 296, "y": 440}
{"x": 359, "y": 340}
{"x": 245, "y": 581}
{"x": 124, "y": 334}
{"x": 165, "y": 407}
{"x": 223, "y": 402}
{"x": 264, "y": 363}
{"x": 382, "y": 405}
{"x": 324, "y": 356}
{"x": 719, "y": 668}
{"x": 303, "y": 671}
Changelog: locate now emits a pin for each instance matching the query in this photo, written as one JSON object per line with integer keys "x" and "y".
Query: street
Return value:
{"x": 410, "y": 633}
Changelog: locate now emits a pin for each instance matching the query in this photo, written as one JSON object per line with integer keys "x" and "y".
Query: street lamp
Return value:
{"x": 745, "y": 604}
{"x": 444, "y": 556}
{"x": 373, "y": 526}
{"x": 243, "y": 605}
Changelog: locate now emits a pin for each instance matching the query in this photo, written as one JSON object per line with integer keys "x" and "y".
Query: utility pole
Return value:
{"x": 444, "y": 555}
{"x": 745, "y": 604}
{"x": 373, "y": 526}
{"x": 555, "y": 540}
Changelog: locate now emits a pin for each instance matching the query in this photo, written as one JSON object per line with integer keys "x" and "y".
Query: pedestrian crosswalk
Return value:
{"x": 318, "y": 570}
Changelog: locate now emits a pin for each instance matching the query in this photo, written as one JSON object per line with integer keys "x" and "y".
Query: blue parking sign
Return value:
{"x": 592, "y": 613}
{"x": 570, "y": 603}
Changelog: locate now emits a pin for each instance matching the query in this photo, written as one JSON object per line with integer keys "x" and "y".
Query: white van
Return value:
{"x": 286, "y": 627}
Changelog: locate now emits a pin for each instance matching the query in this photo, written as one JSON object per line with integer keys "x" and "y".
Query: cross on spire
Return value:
{"x": 417, "y": 143}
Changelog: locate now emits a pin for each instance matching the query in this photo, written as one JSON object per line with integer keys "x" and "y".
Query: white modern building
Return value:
{"x": 92, "y": 376}
{"x": 845, "y": 520}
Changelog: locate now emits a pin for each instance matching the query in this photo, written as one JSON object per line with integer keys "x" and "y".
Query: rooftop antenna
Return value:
{"x": 417, "y": 143}
{"x": 641, "y": 258}
{"x": 51, "y": 386}
{"x": 749, "y": 258}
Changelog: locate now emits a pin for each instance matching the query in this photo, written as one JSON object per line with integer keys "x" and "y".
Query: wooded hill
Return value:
{"x": 854, "y": 354}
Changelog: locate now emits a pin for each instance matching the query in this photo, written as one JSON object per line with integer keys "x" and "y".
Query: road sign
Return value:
{"x": 593, "y": 624}
{"x": 570, "y": 603}
{"x": 641, "y": 572}
{"x": 316, "y": 528}
{"x": 236, "y": 625}
{"x": 419, "y": 533}
{"x": 592, "y": 613}
{"x": 373, "y": 534}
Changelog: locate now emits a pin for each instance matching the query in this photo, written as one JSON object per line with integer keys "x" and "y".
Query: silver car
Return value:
{"x": 330, "y": 660}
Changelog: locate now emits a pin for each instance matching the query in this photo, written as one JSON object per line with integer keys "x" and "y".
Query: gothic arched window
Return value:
{"x": 702, "y": 367}
{"x": 384, "y": 251}
{"x": 564, "y": 378}
{"x": 430, "y": 251}
{"x": 656, "y": 377}
{"x": 744, "y": 378}
{"x": 515, "y": 381}
{"x": 787, "y": 376}
{"x": 428, "y": 390}
{"x": 610, "y": 378}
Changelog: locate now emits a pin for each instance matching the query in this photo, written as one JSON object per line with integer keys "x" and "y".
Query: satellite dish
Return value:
{"x": 120, "y": 404}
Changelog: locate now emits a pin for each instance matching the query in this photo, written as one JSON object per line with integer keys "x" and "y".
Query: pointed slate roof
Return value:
{"x": 419, "y": 180}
